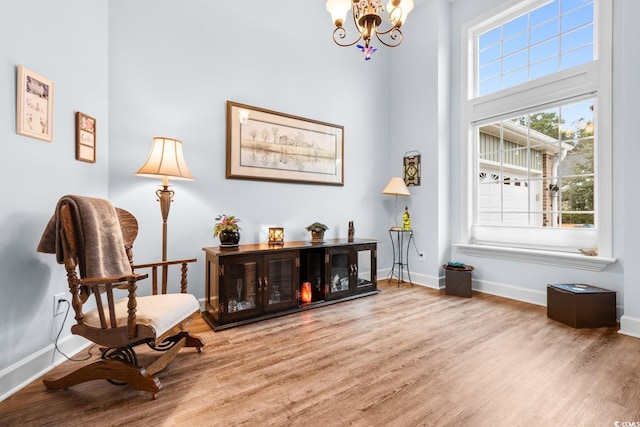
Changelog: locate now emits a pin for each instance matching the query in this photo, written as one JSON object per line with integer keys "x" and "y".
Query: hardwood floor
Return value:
{"x": 409, "y": 356}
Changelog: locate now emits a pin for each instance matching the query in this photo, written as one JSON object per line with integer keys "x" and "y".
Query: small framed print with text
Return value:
{"x": 85, "y": 138}
{"x": 34, "y": 115}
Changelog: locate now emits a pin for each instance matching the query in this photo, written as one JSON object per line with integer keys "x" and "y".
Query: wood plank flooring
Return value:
{"x": 409, "y": 356}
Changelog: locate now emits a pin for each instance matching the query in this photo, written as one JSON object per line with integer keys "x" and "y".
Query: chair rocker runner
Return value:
{"x": 94, "y": 241}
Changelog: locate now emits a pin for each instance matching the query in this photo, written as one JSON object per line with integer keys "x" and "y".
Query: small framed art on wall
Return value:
{"x": 85, "y": 138}
{"x": 34, "y": 109}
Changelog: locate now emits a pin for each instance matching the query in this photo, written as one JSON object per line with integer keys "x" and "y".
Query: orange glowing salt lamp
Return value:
{"x": 306, "y": 292}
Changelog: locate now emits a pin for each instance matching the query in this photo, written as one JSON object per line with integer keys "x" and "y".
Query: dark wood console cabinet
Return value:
{"x": 260, "y": 281}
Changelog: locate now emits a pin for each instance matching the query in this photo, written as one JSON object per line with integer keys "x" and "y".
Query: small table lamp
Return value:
{"x": 165, "y": 160}
{"x": 396, "y": 187}
{"x": 276, "y": 236}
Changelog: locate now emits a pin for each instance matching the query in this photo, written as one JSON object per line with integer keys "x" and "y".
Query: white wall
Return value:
{"x": 66, "y": 42}
{"x": 420, "y": 120}
{"x": 173, "y": 65}
{"x": 150, "y": 68}
{"x": 626, "y": 111}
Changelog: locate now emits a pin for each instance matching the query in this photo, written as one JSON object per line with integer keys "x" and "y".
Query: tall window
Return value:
{"x": 554, "y": 37}
{"x": 538, "y": 112}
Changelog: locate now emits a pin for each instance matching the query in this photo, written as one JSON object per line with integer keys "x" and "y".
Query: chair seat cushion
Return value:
{"x": 162, "y": 312}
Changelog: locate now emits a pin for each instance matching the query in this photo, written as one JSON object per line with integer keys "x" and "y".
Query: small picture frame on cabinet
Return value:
{"x": 85, "y": 138}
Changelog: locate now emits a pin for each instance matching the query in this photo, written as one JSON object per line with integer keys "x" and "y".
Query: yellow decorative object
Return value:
{"x": 406, "y": 219}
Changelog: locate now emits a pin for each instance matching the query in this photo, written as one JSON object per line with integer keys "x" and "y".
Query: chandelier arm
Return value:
{"x": 355, "y": 15}
{"x": 394, "y": 33}
{"x": 394, "y": 16}
{"x": 340, "y": 33}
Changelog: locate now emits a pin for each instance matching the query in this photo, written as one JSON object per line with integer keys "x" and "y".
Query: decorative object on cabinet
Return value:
{"x": 229, "y": 239}
{"x": 367, "y": 16}
{"x": 412, "y": 168}
{"x": 94, "y": 241}
{"x": 271, "y": 146}
{"x": 317, "y": 230}
{"x": 34, "y": 105}
{"x": 351, "y": 232}
{"x": 85, "y": 138}
{"x": 227, "y": 230}
{"x": 261, "y": 281}
{"x": 276, "y": 236}
{"x": 396, "y": 187}
{"x": 165, "y": 160}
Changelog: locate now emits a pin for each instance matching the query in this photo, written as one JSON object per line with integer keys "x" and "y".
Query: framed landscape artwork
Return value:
{"x": 271, "y": 146}
{"x": 85, "y": 138}
{"x": 34, "y": 109}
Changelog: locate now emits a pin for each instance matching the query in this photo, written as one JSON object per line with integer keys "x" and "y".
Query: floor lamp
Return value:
{"x": 396, "y": 187}
{"x": 166, "y": 161}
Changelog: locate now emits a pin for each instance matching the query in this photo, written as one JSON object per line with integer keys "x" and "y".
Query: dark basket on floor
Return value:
{"x": 465, "y": 268}
{"x": 458, "y": 280}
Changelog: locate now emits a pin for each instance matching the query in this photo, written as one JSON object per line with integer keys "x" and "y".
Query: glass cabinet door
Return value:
{"x": 340, "y": 271}
{"x": 239, "y": 293}
{"x": 366, "y": 269}
{"x": 280, "y": 281}
{"x": 312, "y": 270}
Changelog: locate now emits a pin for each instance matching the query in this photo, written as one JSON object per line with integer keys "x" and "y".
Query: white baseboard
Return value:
{"x": 493, "y": 288}
{"x": 512, "y": 292}
{"x": 629, "y": 326}
{"x": 416, "y": 278}
{"x": 22, "y": 373}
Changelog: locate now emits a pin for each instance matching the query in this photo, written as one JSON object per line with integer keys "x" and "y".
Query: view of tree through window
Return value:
{"x": 538, "y": 169}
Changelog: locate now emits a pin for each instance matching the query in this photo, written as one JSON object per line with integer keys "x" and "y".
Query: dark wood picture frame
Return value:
{"x": 270, "y": 146}
{"x": 85, "y": 138}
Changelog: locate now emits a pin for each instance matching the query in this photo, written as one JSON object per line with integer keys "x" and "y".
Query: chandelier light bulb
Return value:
{"x": 338, "y": 10}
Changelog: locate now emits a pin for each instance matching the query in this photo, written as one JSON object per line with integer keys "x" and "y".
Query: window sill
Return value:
{"x": 559, "y": 259}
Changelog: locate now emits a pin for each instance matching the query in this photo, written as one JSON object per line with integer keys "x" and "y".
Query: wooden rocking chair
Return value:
{"x": 94, "y": 241}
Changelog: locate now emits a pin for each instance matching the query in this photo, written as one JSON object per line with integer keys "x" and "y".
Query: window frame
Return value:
{"x": 594, "y": 80}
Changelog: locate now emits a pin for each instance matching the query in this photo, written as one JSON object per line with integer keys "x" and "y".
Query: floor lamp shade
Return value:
{"x": 165, "y": 161}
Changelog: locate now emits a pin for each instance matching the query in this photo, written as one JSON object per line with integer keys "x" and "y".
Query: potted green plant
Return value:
{"x": 228, "y": 230}
{"x": 317, "y": 230}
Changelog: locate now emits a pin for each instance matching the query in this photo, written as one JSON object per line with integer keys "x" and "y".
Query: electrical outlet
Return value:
{"x": 58, "y": 305}
{"x": 421, "y": 256}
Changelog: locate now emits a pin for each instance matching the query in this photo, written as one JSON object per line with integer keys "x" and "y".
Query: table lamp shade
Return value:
{"x": 166, "y": 160}
{"x": 396, "y": 187}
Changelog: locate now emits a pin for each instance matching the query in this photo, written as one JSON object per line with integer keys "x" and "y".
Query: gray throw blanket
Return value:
{"x": 101, "y": 250}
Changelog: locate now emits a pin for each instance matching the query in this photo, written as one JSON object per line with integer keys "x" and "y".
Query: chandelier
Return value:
{"x": 367, "y": 17}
